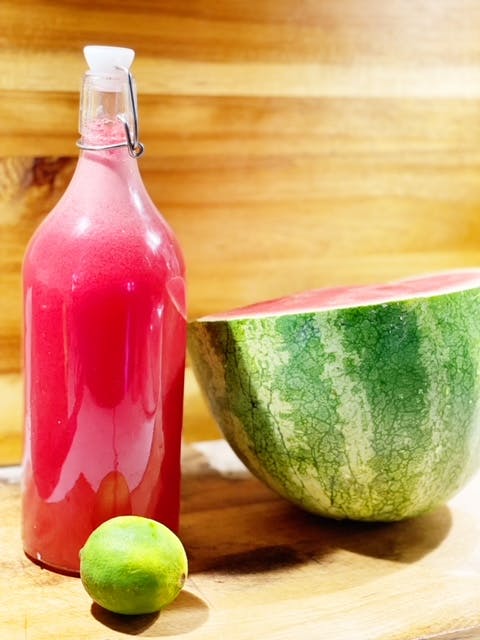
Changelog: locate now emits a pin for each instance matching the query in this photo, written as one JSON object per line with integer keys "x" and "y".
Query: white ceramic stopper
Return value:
{"x": 102, "y": 59}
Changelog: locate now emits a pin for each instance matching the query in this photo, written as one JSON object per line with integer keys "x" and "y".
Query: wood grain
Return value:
{"x": 11, "y": 425}
{"x": 280, "y": 46}
{"x": 178, "y": 126}
{"x": 290, "y": 143}
{"x": 250, "y": 222}
{"x": 261, "y": 568}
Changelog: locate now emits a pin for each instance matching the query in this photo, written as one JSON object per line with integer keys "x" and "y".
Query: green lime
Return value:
{"x": 133, "y": 565}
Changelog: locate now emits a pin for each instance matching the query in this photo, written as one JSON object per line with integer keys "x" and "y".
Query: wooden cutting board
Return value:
{"x": 260, "y": 568}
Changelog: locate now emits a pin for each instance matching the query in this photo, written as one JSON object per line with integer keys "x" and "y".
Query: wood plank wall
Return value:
{"x": 290, "y": 143}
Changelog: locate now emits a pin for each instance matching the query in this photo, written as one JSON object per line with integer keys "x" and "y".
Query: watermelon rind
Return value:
{"x": 366, "y": 413}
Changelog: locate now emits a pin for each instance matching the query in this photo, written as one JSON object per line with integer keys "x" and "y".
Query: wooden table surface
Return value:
{"x": 260, "y": 568}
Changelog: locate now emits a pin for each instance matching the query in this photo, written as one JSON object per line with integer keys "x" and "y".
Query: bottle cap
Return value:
{"x": 102, "y": 59}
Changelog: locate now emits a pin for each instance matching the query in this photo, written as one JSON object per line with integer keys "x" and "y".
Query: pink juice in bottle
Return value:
{"x": 105, "y": 332}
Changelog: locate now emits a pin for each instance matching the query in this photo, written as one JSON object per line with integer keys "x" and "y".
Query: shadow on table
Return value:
{"x": 237, "y": 525}
{"x": 171, "y": 621}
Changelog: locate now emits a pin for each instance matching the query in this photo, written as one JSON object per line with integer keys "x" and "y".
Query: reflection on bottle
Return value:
{"x": 112, "y": 498}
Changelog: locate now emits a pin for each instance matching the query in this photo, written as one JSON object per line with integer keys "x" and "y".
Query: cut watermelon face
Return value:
{"x": 344, "y": 297}
{"x": 359, "y": 402}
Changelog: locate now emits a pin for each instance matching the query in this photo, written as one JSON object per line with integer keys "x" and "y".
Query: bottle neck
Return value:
{"x": 107, "y": 164}
{"x": 108, "y": 113}
{"x": 106, "y": 184}
{"x": 106, "y": 170}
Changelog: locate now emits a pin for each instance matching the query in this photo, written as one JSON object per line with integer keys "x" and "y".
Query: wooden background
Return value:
{"x": 290, "y": 143}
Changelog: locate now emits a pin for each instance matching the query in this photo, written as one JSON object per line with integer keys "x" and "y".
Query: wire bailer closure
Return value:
{"x": 135, "y": 147}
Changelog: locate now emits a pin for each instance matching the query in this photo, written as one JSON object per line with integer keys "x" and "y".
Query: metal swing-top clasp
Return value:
{"x": 135, "y": 147}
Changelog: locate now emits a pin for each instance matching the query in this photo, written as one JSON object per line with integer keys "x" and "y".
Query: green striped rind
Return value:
{"x": 368, "y": 413}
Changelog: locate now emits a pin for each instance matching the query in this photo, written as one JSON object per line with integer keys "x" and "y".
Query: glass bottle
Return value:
{"x": 104, "y": 338}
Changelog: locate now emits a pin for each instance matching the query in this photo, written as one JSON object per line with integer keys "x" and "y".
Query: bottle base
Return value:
{"x": 73, "y": 573}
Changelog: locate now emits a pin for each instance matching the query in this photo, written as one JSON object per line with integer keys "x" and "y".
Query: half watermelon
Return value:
{"x": 359, "y": 402}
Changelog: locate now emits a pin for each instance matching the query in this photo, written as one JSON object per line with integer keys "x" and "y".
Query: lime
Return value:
{"x": 133, "y": 565}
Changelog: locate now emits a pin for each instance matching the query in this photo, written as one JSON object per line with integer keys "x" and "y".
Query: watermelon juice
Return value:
{"x": 105, "y": 331}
